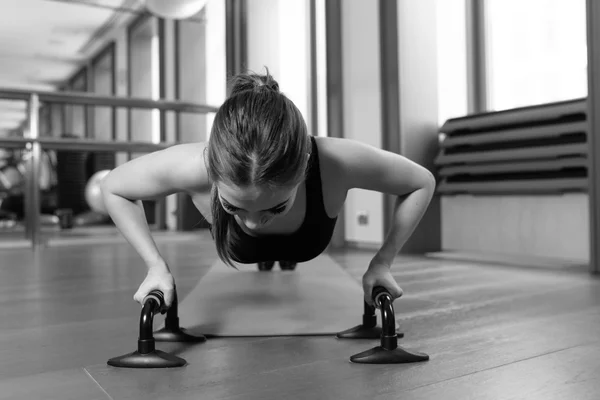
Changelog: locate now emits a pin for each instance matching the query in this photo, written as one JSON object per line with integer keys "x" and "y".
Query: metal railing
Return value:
{"x": 90, "y": 99}
{"x": 34, "y": 143}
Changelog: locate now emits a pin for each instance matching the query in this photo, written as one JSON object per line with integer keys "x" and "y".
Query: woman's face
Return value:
{"x": 256, "y": 207}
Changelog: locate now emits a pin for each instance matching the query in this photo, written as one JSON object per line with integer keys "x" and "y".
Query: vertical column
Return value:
{"x": 121, "y": 89}
{"x": 313, "y": 90}
{"x": 278, "y": 35}
{"x": 235, "y": 36}
{"x": 362, "y": 105}
{"x": 476, "y": 60}
{"x": 390, "y": 92}
{"x": 192, "y": 77}
{"x": 32, "y": 198}
{"x": 335, "y": 92}
{"x": 593, "y": 115}
{"x": 170, "y": 117}
{"x": 418, "y": 99}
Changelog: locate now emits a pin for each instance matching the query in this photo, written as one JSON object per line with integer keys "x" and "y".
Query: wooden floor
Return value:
{"x": 492, "y": 332}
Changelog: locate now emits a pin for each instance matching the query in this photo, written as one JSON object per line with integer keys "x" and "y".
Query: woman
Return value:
{"x": 269, "y": 189}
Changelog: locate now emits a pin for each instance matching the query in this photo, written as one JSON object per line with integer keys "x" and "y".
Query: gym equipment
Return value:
{"x": 536, "y": 149}
{"x": 90, "y": 218}
{"x": 74, "y": 168}
{"x": 368, "y": 329}
{"x": 93, "y": 192}
{"x": 65, "y": 217}
{"x": 8, "y": 220}
{"x": 49, "y": 220}
{"x": 11, "y": 179}
{"x": 47, "y": 172}
{"x": 388, "y": 352}
{"x": 12, "y": 188}
{"x": 172, "y": 332}
{"x": 175, "y": 9}
{"x": 320, "y": 298}
{"x": 147, "y": 356}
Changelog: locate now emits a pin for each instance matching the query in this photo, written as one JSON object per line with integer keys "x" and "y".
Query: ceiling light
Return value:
{"x": 175, "y": 9}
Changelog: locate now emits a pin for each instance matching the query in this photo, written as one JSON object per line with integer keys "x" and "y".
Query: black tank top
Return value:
{"x": 310, "y": 240}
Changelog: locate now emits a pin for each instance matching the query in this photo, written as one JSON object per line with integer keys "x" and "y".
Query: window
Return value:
{"x": 536, "y": 52}
{"x": 201, "y": 75}
{"x": 145, "y": 43}
{"x": 451, "y": 59}
{"x": 75, "y": 115}
{"x": 103, "y": 79}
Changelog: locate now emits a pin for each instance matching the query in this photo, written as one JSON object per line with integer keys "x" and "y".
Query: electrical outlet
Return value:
{"x": 363, "y": 218}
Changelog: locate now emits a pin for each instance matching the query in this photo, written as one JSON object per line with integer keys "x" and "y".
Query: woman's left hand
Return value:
{"x": 378, "y": 274}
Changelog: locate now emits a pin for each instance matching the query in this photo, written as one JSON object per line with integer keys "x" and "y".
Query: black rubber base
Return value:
{"x": 154, "y": 359}
{"x": 177, "y": 335}
{"x": 360, "y": 332}
{"x": 379, "y": 355}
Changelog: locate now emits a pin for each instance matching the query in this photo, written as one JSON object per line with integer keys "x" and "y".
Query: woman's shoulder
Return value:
{"x": 192, "y": 171}
{"x": 332, "y": 152}
{"x": 330, "y": 158}
{"x": 326, "y": 146}
{"x": 333, "y": 146}
{"x": 346, "y": 159}
{"x": 194, "y": 149}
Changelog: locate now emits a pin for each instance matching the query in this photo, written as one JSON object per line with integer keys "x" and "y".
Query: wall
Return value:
{"x": 541, "y": 226}
{"x": 418, "y": 77}
{"x": 200, "y": 63}
{"x": 122, "y": 115}
{"x": 216, "y": 67}
{"x": 274, "y": 41}
{"x": 192, "y": 78}
{"x": 278, "y": 38}
{"x": 102, "y": 83}
{"x": 75, "y": 123}
{"x": 417, "y": 113}
{"x": 117, "y": 32}
{"x": 362, "y": 109}
{"x": 56, "y": 119}
{"x": 143, "y": 75}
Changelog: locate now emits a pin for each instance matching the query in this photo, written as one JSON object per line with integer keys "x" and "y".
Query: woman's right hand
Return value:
{"x": 157, "y": 278}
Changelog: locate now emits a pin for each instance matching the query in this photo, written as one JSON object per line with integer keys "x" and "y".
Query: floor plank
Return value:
{"x": 58, "y": 286}
{"x": 566, "y": 374}
{"x": 66, "y": 308}
{"x": 73, "y": 384}
{"x": 299, "y": 368}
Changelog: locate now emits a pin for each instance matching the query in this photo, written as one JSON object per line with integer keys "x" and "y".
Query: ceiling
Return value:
{"x": 43, "y": 42}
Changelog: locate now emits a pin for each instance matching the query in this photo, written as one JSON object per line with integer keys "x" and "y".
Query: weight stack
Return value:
{"x": 72, "y": 176}
{"x": 99, "y": 161}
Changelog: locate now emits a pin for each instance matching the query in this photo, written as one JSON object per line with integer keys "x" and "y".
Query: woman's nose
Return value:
{"x": 253, "y": 221}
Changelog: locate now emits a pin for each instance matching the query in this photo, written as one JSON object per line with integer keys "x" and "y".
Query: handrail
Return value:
{"x": 49, "y": 143}
{"x": 82, "y": 98}
{"x": 37, "y": 144}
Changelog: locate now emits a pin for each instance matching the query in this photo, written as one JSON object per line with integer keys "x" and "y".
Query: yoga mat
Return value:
{"x": 317, "y": 298}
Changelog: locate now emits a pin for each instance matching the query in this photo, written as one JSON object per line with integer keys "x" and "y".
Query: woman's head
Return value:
{"x": 258, "y": 154}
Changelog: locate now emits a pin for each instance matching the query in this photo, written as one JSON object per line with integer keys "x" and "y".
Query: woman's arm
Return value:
{"x": 177, "y": 169}
{"x": 365, "y": 167}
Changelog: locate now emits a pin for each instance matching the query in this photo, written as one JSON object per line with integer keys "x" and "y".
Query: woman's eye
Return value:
{"x": 232, "y": 209}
